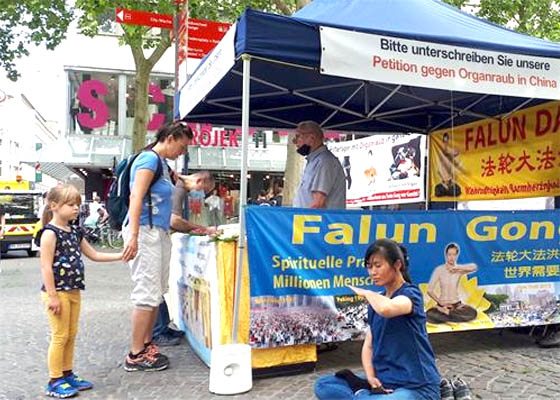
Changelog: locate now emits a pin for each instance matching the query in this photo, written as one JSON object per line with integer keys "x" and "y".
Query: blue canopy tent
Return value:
{"x": 273, "y": 71}
{"x": 287, "y": 86}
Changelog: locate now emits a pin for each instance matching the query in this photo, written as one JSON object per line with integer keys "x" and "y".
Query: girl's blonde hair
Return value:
{"x": 61, "y": 194}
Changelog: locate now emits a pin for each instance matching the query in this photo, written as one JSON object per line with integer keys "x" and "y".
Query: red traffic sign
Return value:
{"x": 145, "y": 18}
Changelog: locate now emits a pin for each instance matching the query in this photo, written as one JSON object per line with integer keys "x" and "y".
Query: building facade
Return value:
{"x": 24, "y": 130}
{"x": 88, "y": 85}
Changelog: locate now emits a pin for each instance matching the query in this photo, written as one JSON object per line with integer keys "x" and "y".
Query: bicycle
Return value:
{"x": 110, "y": 237}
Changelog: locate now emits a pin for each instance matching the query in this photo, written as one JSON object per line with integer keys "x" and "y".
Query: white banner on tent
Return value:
{"x": 409, "y": 62}
{"x": 210, "y": 72}
{"x": 383, "y": 169}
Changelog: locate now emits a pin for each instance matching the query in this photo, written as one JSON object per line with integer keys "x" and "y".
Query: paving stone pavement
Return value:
{"x": 496, "y": 364}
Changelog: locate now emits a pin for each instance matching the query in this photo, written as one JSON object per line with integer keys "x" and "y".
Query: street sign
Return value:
{"x": 145, "y": 18}
{"x": 203, "y": 37}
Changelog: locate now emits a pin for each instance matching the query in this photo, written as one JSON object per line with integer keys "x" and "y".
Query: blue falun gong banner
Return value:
{"x": 302, "y": 261}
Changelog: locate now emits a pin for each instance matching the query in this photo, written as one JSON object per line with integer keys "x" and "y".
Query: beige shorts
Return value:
{"x": 149, "y": 270}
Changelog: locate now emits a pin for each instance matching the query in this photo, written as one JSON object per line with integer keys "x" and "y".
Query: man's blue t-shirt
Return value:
{"x": 402, "y": 353}
{"x": 162, "y": 191}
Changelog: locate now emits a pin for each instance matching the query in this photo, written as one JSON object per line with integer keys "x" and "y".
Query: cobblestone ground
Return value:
{"x": 496, "y": 364}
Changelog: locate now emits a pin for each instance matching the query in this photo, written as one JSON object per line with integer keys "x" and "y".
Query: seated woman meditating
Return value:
{"x": 397, "y": 357}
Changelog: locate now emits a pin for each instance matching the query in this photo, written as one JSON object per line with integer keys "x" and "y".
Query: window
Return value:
{"x": 160, "y": 103}
{"x": 93, "y": 103}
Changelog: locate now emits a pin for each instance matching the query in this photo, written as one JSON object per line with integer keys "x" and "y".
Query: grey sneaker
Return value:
{"x": 461, "y": 390}
{"x": 146, "y": 362}
{"x": 446, "y": 390}
{"x": 166, "y": 340}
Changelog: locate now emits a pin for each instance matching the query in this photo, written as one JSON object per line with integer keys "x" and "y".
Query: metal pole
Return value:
{"x": 185, "y": 168}
{"x": 243, "y": 190}
{"x": 176, "y": 80}
{"x": 428, "y": 183}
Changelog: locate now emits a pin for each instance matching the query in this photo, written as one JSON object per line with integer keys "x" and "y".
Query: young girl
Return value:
{"x": 397, "y": 357}
{"x": 62, "y": 270}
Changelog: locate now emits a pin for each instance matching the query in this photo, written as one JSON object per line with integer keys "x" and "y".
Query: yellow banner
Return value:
{"x": 514, "y": 157}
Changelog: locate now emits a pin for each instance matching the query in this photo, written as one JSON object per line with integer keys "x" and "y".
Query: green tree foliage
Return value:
{"x": 30, "y": 22}
{"x": 495, "y": 301}
{"x": 540, "y": 18}
{"x": 229, "y": 10}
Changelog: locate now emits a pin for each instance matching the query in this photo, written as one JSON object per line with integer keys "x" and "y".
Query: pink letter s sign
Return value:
{"x": 96, "y": 105}
{"x": 89, "y": 95}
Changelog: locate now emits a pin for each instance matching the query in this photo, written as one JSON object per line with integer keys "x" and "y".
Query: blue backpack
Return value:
{"x": 119, "y": 191}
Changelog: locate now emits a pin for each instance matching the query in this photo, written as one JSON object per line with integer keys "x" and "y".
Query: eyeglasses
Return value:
{"x": 299, "y": 135}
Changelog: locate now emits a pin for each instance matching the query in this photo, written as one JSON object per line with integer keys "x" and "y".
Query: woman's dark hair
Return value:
{"x": 176, "y": 129}
{"x": 392, "y": 252}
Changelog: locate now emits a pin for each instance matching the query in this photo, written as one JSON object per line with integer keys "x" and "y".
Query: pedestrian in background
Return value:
{"x": 214, "y": 203}
{"x": 62, "y": 270}
{"x": 323, "y": 184}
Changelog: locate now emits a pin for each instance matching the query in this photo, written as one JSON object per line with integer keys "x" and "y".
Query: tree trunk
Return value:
{"x": 140, "y": 108}
{"x": 141, "y": 80}
{"x": 292, "y": 173}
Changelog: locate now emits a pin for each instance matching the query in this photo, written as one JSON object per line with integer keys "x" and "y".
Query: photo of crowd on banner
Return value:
{"x": 306, "y": 320}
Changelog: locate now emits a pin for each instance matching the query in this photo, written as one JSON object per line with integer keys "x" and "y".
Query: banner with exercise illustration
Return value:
{"x": 517, "y": 156}
{"x": 383, "y": 169}
{"x": 477, "y": 269}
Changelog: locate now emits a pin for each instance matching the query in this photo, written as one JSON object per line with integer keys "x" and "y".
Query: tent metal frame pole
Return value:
{"x": 220, "y": 114}
{"x": 254, "y": 96}
{"x": 427, "y": 185}
{"x": 523, "y": 104}
{"x": 442, "y": 104}
{"x": 347, "y": 123}
{"x": 355, "y": 92}
{"x": 299, "y": 93}
{"x": 243, "y": 190}
{"x": 410, "y": 127}
{"x": 332, "y": 86}
{"x": 474, "y": 103}
{"x": 385, "y": 121}
{"x": 240, "y": 110}
{"x": 371, "y": 113}
{"x": 284, "y": 108}
{"x": 283, "y": 121}
{"x": 327, "y": 104}
{"x": 366, "y": 98}
{"x": 398, "y": 111}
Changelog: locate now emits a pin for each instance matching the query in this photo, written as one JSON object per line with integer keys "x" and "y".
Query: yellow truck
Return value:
{"x": 21, "y": 206}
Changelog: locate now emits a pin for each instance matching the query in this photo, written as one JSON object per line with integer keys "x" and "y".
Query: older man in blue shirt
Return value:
{"x": 323, "y": 184}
